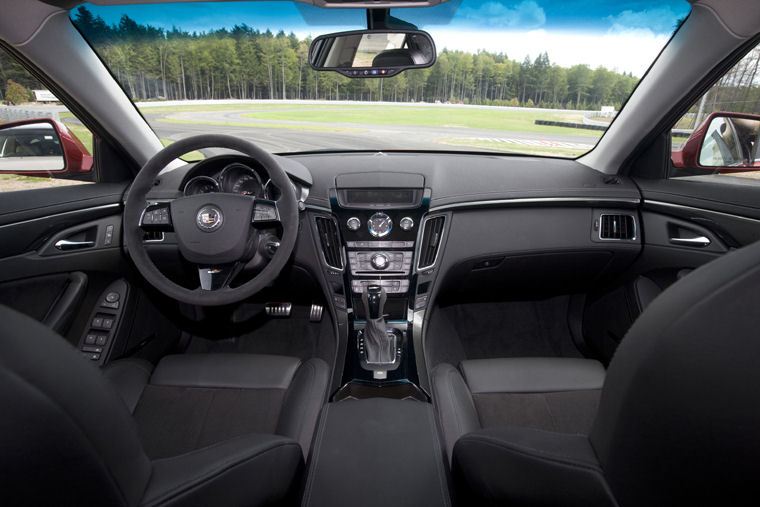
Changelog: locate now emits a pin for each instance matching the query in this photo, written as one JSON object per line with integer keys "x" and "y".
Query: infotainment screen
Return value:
{"x": 380, "y": 197}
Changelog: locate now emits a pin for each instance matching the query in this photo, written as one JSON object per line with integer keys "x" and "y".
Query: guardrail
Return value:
{"x": 16, "y": 113}
{"x": 675, "y": 132}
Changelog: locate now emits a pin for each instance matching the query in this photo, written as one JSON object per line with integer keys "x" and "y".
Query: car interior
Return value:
{"x": 368, "y": 327}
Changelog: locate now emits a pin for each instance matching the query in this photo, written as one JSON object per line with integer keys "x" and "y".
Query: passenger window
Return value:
{"x": 719, "y": 137}
{"x": 42, "y": 144}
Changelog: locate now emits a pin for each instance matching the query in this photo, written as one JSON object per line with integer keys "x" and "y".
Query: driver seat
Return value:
{"x": 217, "y": 429}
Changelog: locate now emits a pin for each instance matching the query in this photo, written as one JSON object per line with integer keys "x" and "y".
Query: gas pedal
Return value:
{"x": 315, "y": 314}
{"x": 281, "y": 310}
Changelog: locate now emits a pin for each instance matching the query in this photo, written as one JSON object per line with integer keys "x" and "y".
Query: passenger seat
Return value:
{"x": 552, "y": 394}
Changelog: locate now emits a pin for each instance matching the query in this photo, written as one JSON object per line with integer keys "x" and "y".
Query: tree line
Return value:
{"x": 244, "y": 63}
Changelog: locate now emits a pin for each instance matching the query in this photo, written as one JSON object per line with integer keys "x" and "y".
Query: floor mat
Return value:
{"x": 295, "y": 336}
{"x": 514, "y": 329}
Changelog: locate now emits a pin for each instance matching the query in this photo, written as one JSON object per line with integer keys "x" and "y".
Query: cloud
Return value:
{"x": 526, "y": 15}
{"x": 658, "y": 20}
{"x": 564, "y": 48}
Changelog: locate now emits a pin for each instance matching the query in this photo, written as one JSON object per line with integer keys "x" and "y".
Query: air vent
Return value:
{"x": 617, "y": 227}
{"x": 431, "y": 240}
{"x": 330, "y": 241}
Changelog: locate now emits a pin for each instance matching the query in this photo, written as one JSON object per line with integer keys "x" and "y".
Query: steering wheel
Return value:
{"x": 215, "y": 231}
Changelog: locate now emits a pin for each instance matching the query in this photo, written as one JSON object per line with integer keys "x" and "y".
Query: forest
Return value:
{"x": 243, "y": 63}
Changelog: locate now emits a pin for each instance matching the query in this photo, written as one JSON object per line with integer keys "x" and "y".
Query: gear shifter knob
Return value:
{"x": 374, "y": 301}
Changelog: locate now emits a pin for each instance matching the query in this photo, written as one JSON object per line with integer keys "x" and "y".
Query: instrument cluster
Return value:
{"x": 234, "y": 178}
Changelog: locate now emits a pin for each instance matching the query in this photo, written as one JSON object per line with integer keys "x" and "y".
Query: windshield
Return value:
{"x": 532, "y": 77}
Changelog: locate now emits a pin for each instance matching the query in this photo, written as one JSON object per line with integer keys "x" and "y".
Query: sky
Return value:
{"x": 624, "y": 35}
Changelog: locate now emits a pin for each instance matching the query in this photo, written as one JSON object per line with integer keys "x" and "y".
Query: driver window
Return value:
{"x": 719, "y": 137}
{"x": 42, "y": 144}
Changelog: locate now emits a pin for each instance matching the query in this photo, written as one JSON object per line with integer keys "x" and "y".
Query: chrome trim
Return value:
{"x": 197, "y": 178}
{"x": 379, "y": 216}
{"x": 705, "y": 210}
{"x": 425, "y": 220}
{"x": 699, "y": 241}
{"x": 340, "y": 244}
{"x": 64, "y": 213}
{"x": 635, "y": 227}
{"x": 66, "y": 244}
{"x": 592, "y": 201}
{"x": 231, "y": 166}
{"x": 348, "y": 222}
{"x": 163, "y": 237}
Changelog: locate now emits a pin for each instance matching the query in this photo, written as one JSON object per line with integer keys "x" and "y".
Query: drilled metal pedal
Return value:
{"x": 278, "y": 309}
{"x": 315, "y": 314}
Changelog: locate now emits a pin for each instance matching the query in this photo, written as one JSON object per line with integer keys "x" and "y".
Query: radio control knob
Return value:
{"x": 379, "y": 261}
{"x": 353, "y": 224}
{"x": 406, "y": 223}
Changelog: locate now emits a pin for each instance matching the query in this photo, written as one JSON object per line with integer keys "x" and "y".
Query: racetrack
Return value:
{"x": 280, "y": 135}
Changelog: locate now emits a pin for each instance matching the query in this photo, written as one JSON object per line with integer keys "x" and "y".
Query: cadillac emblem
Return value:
{"x": 209, "y": 219}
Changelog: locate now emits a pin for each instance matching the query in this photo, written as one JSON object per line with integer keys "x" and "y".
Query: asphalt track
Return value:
{"x": 349, "y": 136}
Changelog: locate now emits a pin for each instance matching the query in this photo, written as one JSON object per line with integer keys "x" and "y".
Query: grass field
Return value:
{"x": 10, "y": 182}
{"x": 431, "y": 116}
{"x": 287, "y": 126}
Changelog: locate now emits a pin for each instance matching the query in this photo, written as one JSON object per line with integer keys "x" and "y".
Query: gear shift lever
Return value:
{"x": 379, "y": 347}
{"x": 375, "y": 301}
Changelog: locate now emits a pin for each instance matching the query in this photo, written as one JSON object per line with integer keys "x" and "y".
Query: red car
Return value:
{"x": 56, "y": 150}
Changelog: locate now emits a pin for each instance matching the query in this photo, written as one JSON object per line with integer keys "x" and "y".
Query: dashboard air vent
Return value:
{"x": 617, "y": 227}
{"x": 330, "y": 241}
{"x": 431, "y": 240}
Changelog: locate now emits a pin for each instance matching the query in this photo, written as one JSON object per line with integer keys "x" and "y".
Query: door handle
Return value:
{"x": 66, "y": 244}
{"x": 699, "y": 241}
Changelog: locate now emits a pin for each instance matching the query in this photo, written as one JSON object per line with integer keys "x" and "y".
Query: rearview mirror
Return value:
{"x": 41, "y": 147}
{"x": 372, "y": 53}
{"x": 724, "y": 142}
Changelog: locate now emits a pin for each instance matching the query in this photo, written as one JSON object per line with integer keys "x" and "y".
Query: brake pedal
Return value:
{"x": 278, "y": 309}
{"x": 315, "y": 314}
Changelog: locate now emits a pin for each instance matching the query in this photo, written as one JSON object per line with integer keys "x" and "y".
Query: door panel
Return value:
{"x": 52, "y": 299}
{"x": 53, "y": 243}
{"x": 730, "y": 212}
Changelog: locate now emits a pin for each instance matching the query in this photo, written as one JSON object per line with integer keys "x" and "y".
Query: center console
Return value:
{"x": 371, "y": 239}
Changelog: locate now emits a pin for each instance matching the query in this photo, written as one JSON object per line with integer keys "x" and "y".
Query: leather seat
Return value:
{"x": 196, "y": 430}
{"x": 553, "y": 394}
{"x": 678, "y": 421}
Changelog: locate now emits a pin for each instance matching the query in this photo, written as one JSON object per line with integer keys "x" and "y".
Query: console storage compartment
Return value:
{"x": 377, "y": 452}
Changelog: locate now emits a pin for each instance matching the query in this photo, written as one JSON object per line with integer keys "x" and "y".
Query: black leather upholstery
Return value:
{"x": 377, "y": 452}
{"x": 526, "y": 466}
{"x": 68, "y": 439}
{"x": 678, "y": 419}
{"x": 543, "y": 393}
{"x": 194, "y": 400}
{"x": 532, "y": 375}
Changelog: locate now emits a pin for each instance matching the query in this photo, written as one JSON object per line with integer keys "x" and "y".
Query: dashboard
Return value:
{"x": 425, "y": 224}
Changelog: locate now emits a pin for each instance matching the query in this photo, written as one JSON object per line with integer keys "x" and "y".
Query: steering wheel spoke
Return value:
{"x": 265, "y": 212}
{"x": 157, "y": 217}
{"x": 218, "y": 277}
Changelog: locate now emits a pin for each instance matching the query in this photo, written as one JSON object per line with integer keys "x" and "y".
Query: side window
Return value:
{"x": 42, "y": 144}
{"x": 719, "y": 137}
